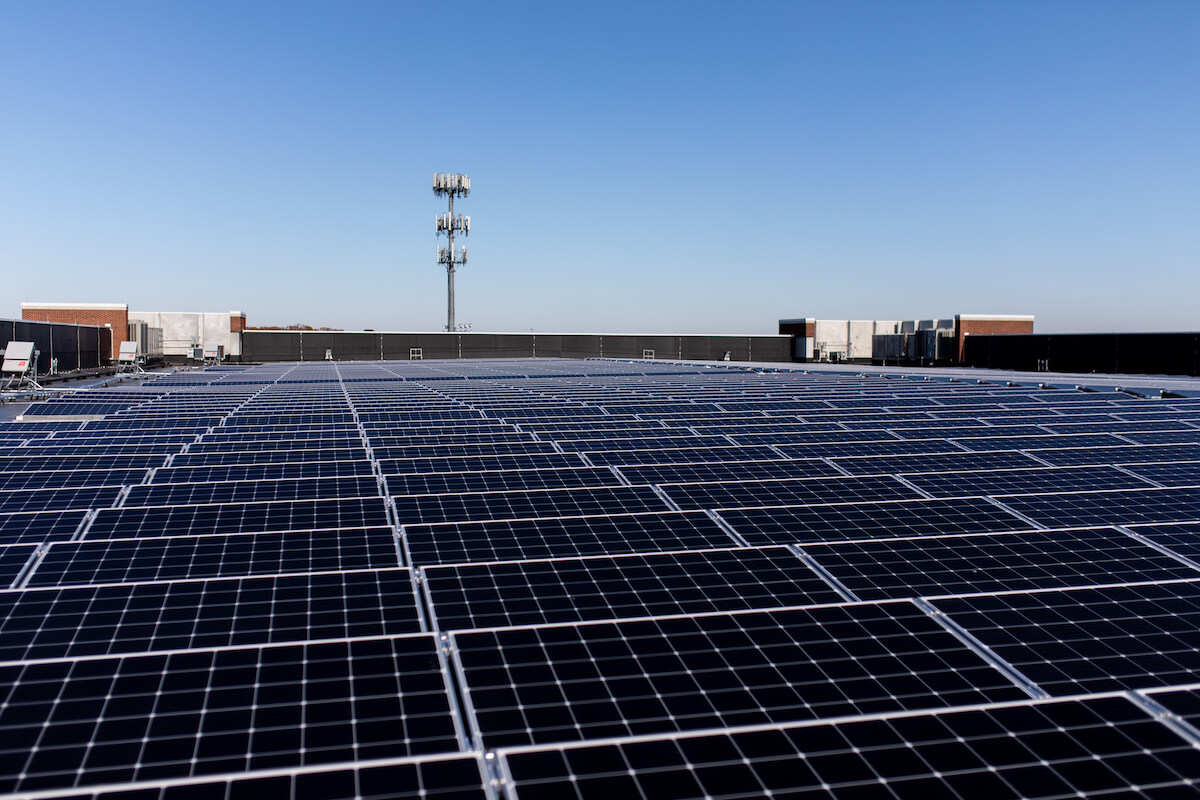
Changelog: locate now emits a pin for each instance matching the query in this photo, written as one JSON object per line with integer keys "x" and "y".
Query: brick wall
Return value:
{"x": 116, "y": 317}
{"x": 982, "y": 325}
{"x": 237, "y": 322}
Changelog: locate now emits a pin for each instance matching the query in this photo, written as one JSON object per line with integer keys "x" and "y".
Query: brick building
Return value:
{"x": 110, "y": 315}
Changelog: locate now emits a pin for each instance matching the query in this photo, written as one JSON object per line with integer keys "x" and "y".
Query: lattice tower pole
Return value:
{"x": 451, "y": 185}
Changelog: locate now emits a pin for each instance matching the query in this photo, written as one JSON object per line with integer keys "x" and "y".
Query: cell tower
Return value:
{"x": 451, "y": 186}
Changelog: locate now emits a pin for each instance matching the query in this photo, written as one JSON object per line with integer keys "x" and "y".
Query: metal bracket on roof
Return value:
{"x": 1134, "y": 474}
{"x": 1164, "y": 715}
{"x": 966, "y": 637}
{"x": 671, "y": 504}
{"x": 825, "y": 574}
{"x": 1039, "y": 526}
{"x": 1146, "y": 540}
{"x": 725, "y": 526}
{"x": 914, "y": 487}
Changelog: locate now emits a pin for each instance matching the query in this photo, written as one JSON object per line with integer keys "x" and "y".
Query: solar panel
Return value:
{"x": 25, "y": 527}
{"x": 1092, "y": 747}
{"x": 422, "y": 466}
{"x": 262, "y": 472}
{"x": 180, "y": 557}
{"x": 474, "y": 579}
{"x": 501, "y": 480}
{"x": 904, "y": 518}
{"x": 59, "y": 498}
{"x": 979, "y": 563}
{"x": 942, "y": 462}
{"x": 503, "y": 540}
{"x": 1124, "y": 507}
{"x": 566, "y": 683}
{"x": 1090, "y": 640}
{"x": 1017, "y": 481}
{"x": 416, "y": 509}
{"x": 636, "y": 585}
{"x": 107, "y": 619}
{"x": 451, "y": 777}
{"x": 727, "y": 471}
{"x": 1175, "y": 473}
{"x": 202, "y": 712}
{"x": 13, "y": 560}
{"x": 784, "y": 491}
{"x": 119, "y": 523}
{"x": 251, "y": 491}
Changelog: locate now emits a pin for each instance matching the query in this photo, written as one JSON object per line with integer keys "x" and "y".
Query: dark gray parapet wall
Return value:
{"x": 75, "y": 346}
{"x": 387, "y": 346}
{"x": 1115, "y": 353}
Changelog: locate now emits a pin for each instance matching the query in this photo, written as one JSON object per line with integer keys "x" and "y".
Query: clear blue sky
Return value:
{"x": 636, "y": 166}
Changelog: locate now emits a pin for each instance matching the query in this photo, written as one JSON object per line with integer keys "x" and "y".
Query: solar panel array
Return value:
{"x": 595, "y": 579}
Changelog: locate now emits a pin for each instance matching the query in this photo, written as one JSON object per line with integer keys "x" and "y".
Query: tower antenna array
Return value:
{"x": 451, "y": 185}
